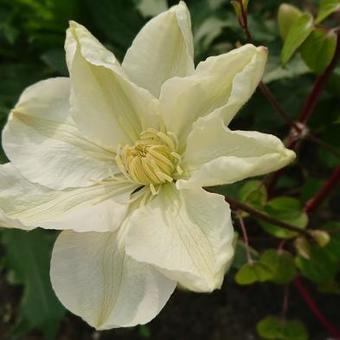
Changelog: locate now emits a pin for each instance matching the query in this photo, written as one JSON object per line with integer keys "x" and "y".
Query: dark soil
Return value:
{"x": 228, "y": 314}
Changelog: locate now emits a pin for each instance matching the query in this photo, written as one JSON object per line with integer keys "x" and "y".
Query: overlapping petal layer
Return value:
{"x": 109, "y": 108}
{"x": 163, "y": 49}
{"x": 221, "y": 85}
{"x": 187, "y": 234}
{"x": 100, "y": 207}
{"x": 95, "y": 279}
{"x": 42, "y": 141}
{"x": 216, "y": 155}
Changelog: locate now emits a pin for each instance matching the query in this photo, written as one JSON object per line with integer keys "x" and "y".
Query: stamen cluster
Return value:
{"x": 152, "y": 160}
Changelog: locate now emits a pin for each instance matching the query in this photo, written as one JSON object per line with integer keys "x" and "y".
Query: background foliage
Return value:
{"x": 277, "y": 264}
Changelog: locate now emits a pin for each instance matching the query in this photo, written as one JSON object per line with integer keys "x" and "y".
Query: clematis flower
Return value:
{"x": 117, "y": 156}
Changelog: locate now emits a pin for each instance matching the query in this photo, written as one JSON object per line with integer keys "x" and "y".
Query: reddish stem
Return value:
{"x": 331, "y": 329}
{"x": 308, "y": 108}
{"x": 318, "y": 87}
{"x": 244, "y": 22}
{"x": 245, "y": 238}
{"x": 318, "y": 198}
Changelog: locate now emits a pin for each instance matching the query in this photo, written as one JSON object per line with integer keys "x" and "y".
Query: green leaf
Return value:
{"x": 275, "y": 328}
{"x": 286, "y": 209}
{"x": 318, "y": 50}
{"x": 297, "y": 34}
{"x": 281, "y": 264}
{"x": 144, "y": 331}
{"x": 287, "y": 16}
{"x": 320, "y": 267}
{"x": 333, "y": 247}
{"x": 252, "y": 272}
{"x": 237, "y": 8}
{"x": 253, "y": 193}
{"x": 119, "y": 21}
{"x": 240, "y": 257}
{"x": 28, "y": 258}
{"x": 327, "y": 7}
{"x": 330, "y": 287}
{"x": 275, "y": 71}
{"x": 150, "y": 8}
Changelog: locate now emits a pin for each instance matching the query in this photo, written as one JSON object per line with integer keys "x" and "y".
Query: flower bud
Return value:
{"x": 321, "y": 237}
{"x": 302, "y": 247}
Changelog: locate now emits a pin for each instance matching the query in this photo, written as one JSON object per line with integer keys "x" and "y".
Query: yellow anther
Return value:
{"x": 152, "y": 160}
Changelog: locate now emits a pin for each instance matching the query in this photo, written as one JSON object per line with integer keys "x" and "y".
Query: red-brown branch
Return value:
{"x": 319, "y": 86}
{"x": 319, "y": 197}
{"x": 331, "y": 329}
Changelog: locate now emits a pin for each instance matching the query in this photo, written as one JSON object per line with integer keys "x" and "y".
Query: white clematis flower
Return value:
{"x": 117, "y": 155}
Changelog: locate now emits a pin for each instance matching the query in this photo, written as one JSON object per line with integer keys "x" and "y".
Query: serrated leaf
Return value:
{"x": 327, "y": 7}
{"x": 298, "y": 33}
{"x": 252, "y": 272}
{"x": 275, "y": 328}
{"x": 28, "y": 258}
{"x": 281, "y": 264}
{"x": 287, "y": 16}
{"x": 253, "y": 193}
{"x": 318, "y": 50}
{"x": 286, "y": 209}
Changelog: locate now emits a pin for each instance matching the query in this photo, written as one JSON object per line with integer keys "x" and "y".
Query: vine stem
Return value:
{"x": 319, "y": 86}
{"x": 331, "y": 329}
{"x": 285, "y": 301}
{"x": 245, "y": 237}
{"x": 263, "y": 216}
{"x": 263, "y": 87}
{"x": 319, "y": 197}
{"x": 307, "y": 110}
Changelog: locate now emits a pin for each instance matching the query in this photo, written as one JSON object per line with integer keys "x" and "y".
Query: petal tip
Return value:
{"x": 263, "y": 49}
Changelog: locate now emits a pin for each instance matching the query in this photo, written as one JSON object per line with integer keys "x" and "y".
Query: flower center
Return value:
{"x": 152, "y": 160}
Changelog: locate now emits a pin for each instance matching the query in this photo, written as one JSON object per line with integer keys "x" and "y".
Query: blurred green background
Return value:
{"x": 32, "y": 35}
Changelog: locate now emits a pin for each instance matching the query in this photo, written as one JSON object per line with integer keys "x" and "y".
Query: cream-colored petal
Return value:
{"x": 100, "y": 207}
{"x": 216, "y": 155}
{"x": 42, "y": 141}
{"x": 109, "y": 108}
{"x": 163, "y": 49}
{"x": 94, "y": 278}
{"x": 219, "y": 86}
{"x": 187, "y": 234}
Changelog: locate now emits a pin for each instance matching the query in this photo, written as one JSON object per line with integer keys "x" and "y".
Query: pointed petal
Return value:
{"x": 94, "y": 278}
{"x": 187, "y": 234}
{"x": 163, "y": 49}
{"x": 100, "y": 207}
{"x": 42, "y": 141}
{"x": 216, "y": 155}
{"x": 220, "y": 85}
{"x": 105, "y": 104}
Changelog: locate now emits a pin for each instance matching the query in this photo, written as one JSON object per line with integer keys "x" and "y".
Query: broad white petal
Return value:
{"x": 219, "y": 86}
{"x": 100, "y": 207}
{"x": 94, "y": 278}
{"x": 105, "y": 104}
{"x": 42, "y": 141}
{"x": 187, "y": 234}
{"x": 163, "y": 49}
{"x": 216, "y": 155}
